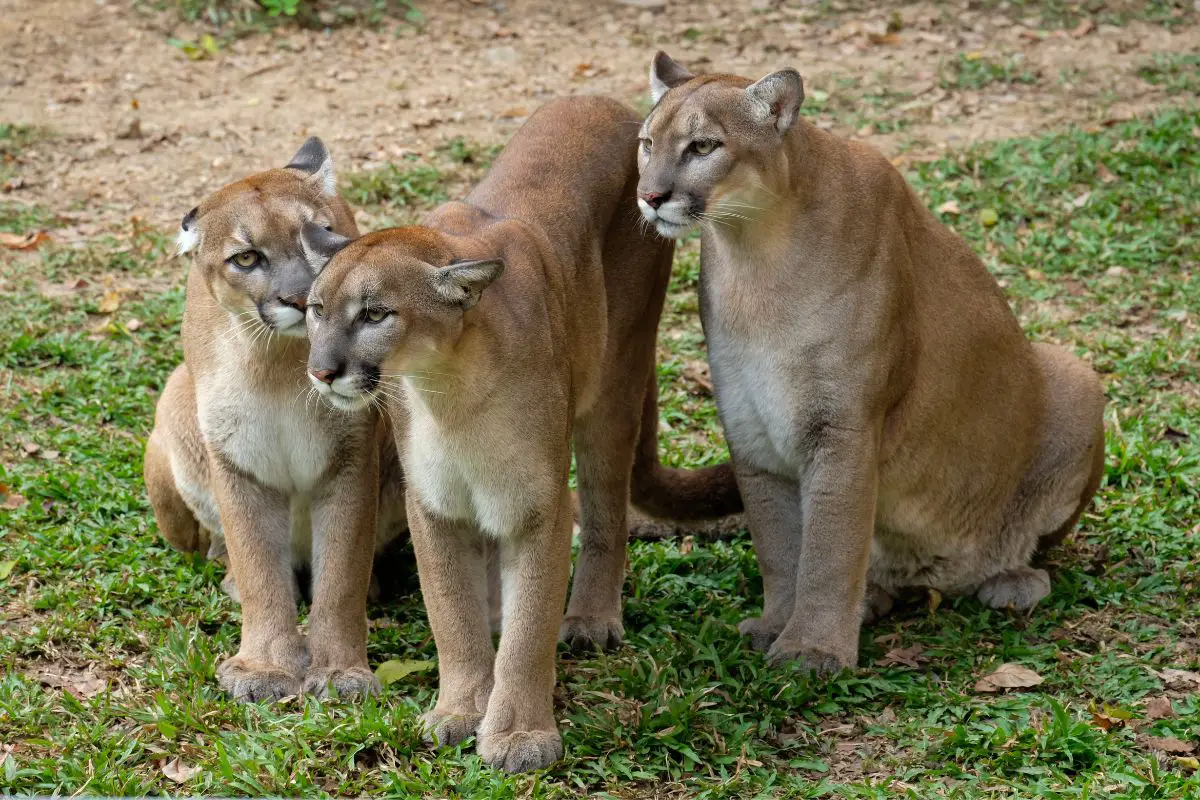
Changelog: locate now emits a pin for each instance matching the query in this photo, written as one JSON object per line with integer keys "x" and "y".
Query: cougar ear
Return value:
{"x": 320, "y": 245}
{"x": 188, "y": 237}
{"x": 777, "y": 98}
{"x": 313, "y": 158}
{"x": 665, "y": 74}
{"x": 462, "y": 282}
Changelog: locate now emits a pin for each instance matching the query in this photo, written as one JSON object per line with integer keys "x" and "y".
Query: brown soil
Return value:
{"x": 138, "y": 129}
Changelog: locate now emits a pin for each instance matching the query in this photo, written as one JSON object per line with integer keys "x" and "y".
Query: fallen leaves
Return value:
{"x": 697, "y": 372}
{"x": 1083, "y": 29}
{"x": 10, "y": 500}
{"x": 1158, "y": 708}
{"x": 1167, "y": 744}
{"x": 902, "y": 656}
{"x": 949, "y": 207}
{"x": 391, "y": 671}
{"x": 1180, "y": 680}
{"x": 110, "y": 302}
{"x": 23, "y": 241}
{"x": 1008, "y": 676}
{"x": 1108, "y": 717}
{"x": 81, "y": 683}
{"x": 178, "y": 771}
{"x": 988, "y": 217}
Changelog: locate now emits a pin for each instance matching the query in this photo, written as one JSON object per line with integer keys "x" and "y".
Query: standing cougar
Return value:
{"x": 505, "y": 328}
{"x": 890, "y": 424}
{"x": 240, "y": 457}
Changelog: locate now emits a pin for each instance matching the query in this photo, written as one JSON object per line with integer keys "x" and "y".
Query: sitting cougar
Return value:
{"x": 240, "y": 457}
{"x": 503, "y": 329}
{"x": 890, "y": 424}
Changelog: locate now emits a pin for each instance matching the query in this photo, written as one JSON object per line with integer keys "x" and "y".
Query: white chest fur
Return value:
{"x": 469, "y": 475}
{"x": 281, "y": 442}
{"x": 756, "y": 399}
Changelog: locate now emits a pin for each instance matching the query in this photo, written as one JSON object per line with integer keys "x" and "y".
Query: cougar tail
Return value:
{"x": 706, "y": 493}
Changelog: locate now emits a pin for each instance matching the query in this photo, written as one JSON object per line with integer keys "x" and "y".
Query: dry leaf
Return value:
{"x": 178, "y": 770}
{"x": 133, "y": 325}
{"x": 1167, "y": 744}
{"x": 1188, "y": 763}
{"x": 949, "y": 207}
{"x": 110, "y": 302}
{"x": 1105, "y": 174}
{"x": 1008, "y": 676}
{"x": 1180, "y": 680}
{"x": 935, "y": 599}
{"x": 697, "y": 372}
{"x": 28, "y": 241}
{"x": 13, "y": 501}
{"x": 1107, "y": 717}
{"x": 1083, "y": 29}
{"x": 1159, "y": 708}
{"x": 902, "y": 656}
{"x": 81, "y": 683}
{"x": 30, "y": 448}
{"x": 883, "y": 38}
{"x": 514, "y": 112}
{"x": 686, "y": 545}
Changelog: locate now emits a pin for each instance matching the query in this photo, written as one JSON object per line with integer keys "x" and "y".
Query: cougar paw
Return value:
{"x": 520, "y": 751}
{"x": 1019, "y": 589}
{"x": 877, "y": 603}
{"x": 446, "y": 730}
{"x": 253, "y": 682}
{"x": 805, "y": 659}
{"x": 761, "y": 633}
{"x": 587, "y": 634}
{"x": 348, "y": 683}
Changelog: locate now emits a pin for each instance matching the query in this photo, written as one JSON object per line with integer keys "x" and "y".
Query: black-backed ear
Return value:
{"x": 313, "y": 158}
{"x": 462, "y": 282}
{"x": 777, "y": 98}
{"x": 320, "y": 245}
{"x": 188, "y": 237}
{"x": 665, "y": 74}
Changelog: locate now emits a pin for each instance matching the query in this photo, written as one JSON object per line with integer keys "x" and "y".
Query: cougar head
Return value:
{"x": 386, "y": 308}
{"x": 711, "y": 145}
{"x": 246, "y": 239}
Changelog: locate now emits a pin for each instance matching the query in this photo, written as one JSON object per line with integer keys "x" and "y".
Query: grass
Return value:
{"x": 248, "y": 15}
{"x": 1177, "y": 72}
{"x": 975, "y": 71}
{"x": 1095, "y": 236}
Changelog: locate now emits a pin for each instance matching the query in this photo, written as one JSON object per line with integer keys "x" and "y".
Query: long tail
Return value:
{"x": 707, "y": 493}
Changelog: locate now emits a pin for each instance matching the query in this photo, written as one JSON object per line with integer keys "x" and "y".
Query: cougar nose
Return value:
{"x": 655, "y": 199}
{"x": 326, "y": 375}
{"x": 296, "y": 301}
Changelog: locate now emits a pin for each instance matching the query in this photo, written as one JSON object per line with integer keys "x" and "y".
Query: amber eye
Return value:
{"x": 703, "y": 147}
{"x": 246, "y": 260}
{"x": 317, "y": 309}
{"x": 376, "y": 314}
{"x": 646, "y": 144}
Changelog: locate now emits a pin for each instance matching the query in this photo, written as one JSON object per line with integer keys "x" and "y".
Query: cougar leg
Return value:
{"x": 1019, "y": 588}
{"x": 176, "y": 522}
{"x": 604, "y": 443}
{"x": 453, "y": 573}
{"x": 343, "y": 539}
{"x": 838, "y": 489}
{"x": 271, "y": 659}
{"x": 774, "y": 514}
{"x": 519, "y": 732}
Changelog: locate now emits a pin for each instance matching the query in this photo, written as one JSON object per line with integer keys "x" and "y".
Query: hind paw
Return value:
{"x": 1019, "y": 589}
{"x": 586, "y": 634}
{"x": 761, "y": 633}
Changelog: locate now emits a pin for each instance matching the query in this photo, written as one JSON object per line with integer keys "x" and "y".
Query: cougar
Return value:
{"x": 241, "y": 457}
{"x": 889, "y": 423}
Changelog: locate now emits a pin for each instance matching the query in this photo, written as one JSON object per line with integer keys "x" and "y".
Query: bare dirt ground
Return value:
{"x": 136, "y": 128}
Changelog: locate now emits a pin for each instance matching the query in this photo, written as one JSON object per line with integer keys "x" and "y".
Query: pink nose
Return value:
{"x": 654, "y": 199}
{"x": 324, "y": 375}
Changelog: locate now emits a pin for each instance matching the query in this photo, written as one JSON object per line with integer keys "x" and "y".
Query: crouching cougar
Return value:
{"x": 890, "y": 424}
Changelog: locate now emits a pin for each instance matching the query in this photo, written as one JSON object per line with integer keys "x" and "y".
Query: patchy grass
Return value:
{"x": 975, "y": 71}
{"x": 249, "y": 15}
{"x": 1094, "y": 235}
{"x": 1179, "y": 73}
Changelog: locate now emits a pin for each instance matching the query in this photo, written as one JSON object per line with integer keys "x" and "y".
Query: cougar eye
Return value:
{"x": 317, "y": 309}
{"x": 376, "y": 314}
{"x": 246, "y": 260}
{"x": 703, "y": 147}
{"x": 646, "y": 144}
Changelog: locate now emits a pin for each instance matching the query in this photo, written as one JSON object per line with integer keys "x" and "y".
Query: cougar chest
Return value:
{"x": 270, "y": 434}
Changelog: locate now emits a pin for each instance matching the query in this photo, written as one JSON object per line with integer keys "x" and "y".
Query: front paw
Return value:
{"x": 520, "y": 750}
{"x": 347, "y": 683}
{"x": 761, "y": 633}
{"x": 446, "y": 730}
{"x": 254, "y": 681}
{"x": 591, "y": 633}
{"x": 806, "y": 659}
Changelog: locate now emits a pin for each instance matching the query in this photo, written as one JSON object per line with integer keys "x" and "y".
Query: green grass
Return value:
{"x": 1178, "y": 72}
{"x": 973, "y": 71}
{"x": 1102, "y": 259}
{"x": 248, "y": 15}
